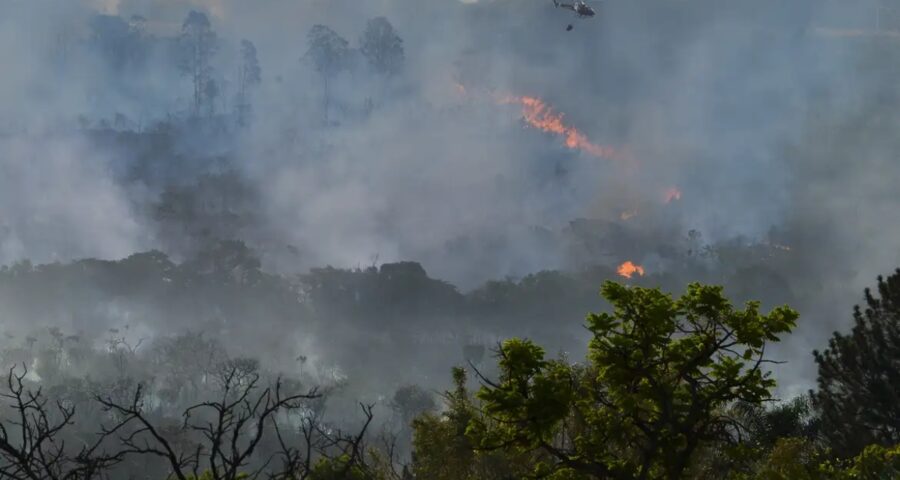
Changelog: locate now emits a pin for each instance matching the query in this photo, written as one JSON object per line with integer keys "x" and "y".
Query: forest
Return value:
{"x": 455, "y": 240}
{"x": 668, "y": 387}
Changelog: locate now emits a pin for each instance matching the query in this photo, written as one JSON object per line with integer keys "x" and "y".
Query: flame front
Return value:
{"x": 541, "y": 116}
{"x": 628, "y": 269}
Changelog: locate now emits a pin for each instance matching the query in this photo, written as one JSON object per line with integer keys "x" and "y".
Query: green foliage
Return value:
{"x": 659, "y": 374}
{"x": 443, "y": 451}
{"x": 791, "y": 459}
{"x": 802, "y": 459}
{"x": 874, "y": 463}
{"x": 341, "y": 468}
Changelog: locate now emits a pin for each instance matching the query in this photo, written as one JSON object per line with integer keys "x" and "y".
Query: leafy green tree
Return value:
{"x": 443, "y": 451}
{"x": 875, "y": 462}
{"x": 859, "y": 375}
{"x": 801, "y": 459}
{"x": 654, "y": 389}
{"x": 791, "y": 459}
{"x": 763, "y": 429}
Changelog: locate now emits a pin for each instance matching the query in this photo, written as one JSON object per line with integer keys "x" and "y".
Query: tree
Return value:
{"x": 859, "y": 375}
{"x": 768, "y": 438}
{"x": 443, "y": 451}
{"x": 114, "y": 39}
{"x": 229, "y": 428}
{"x": 411, "y": 401}
{"x": 654, "y": 389}
{"x": 328, "y": 453}
{"x": 198, "y": 44}
{"x": 329, "y": 53}
{"x": 33, "y": 443}
{"x": 801, "y": 459}
{"x": 382, "y": 47}
{"x": 249, "y": 77}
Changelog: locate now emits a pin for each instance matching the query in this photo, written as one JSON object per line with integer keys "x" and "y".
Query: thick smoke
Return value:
{"x": 58, "y": 202}
{"x": 774, "y": 120}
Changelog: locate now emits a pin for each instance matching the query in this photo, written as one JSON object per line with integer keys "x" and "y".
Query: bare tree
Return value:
{"x": 322, "y": 445}
{"x": 32, "y": 443}
{"x": 227, "y": 430}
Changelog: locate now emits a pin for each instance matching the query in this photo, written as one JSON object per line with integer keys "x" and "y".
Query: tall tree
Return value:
{"x": 249, "y": 77}
{"x": 329, "y": 53}
{"x": 118, "y": 42}
{"x": 382, "y": 47}
{"x": 197, "y": 45}
{"x": 859, "y": 375}
{"x": 651, "y": 393}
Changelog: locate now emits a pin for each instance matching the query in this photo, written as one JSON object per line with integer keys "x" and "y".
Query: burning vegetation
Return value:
{"x": 538, "y": 114}
{"x": 628, "y": 269}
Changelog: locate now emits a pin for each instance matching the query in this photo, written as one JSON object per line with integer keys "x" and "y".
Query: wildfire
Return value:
{"x": 628, "y": 269}
{"x": 541, "y": 116}
{"x": 672, "y": 194}
{"x": 624, "y": 216}
{"x": 460, "y": 88}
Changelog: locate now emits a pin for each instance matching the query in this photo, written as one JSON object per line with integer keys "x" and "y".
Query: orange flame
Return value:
{"x": 628, "y": 269}
{"x": 541, "y": 116}
{"x": 672, "y": 194}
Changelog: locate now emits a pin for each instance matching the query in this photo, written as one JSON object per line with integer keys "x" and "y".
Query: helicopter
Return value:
{"x": 580, "y": 8}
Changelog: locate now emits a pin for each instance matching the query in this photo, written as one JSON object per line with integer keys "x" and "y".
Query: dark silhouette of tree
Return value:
{"x": 111, "y": 37}
{"x": 33, "y": 441}
{"x": 411, "y": 401}
{"x": 382, "y": 47}
{"x": 249, "y": 77}
{"x": 197, "y": 45}
{"x": 324, "y": 452}
{"x": 858, "y": 394}
{"x": 228, "y": 429}
{"x": 329, "y": 54}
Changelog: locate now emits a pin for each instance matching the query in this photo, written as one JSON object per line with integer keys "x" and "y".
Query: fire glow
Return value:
{"x": 541, "y": 116}
{"x": 628, "y": 269}
{"x": 672, "y": 194}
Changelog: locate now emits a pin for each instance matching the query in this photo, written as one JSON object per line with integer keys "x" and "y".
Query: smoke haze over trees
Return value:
{"x": 360, "y": 195}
